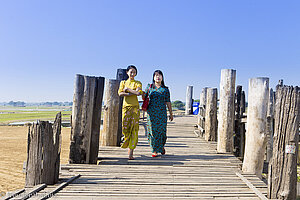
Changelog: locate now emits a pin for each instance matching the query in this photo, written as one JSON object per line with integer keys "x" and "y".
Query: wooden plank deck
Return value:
{"x": 191, "y": 169}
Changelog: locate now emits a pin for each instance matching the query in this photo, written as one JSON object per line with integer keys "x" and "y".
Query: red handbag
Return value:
{"x": 146, "y": 102}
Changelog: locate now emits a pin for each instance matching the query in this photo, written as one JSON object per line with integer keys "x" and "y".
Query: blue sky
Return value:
{"x": 43, "y": 44}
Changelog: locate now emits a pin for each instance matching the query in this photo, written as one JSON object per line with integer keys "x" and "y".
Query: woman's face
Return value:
{"x": 157, "y": 77}
{"x": 131, "y": 73}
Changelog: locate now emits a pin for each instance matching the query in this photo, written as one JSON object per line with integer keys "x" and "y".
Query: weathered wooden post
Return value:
{"x": 242, "y": 124}
{"x": 270, "y": 124}
{"x": 211, "y": 122}
{"x": 202, "y": 113}
{"x": 203, "y": 96}
{"x": 282, "y": 182}
{"x": 121, "y": 75}
{"x": 239, "y": 126}
{"x": 109, "y": 133}
{"x": 226, "y": 111}
{"x": 86, "y": 119}
{"x": 237, "y": 135}
{"x": 256, "y": 126}
{"x": 43, "y": 152}
{"x": 189, "y": 100}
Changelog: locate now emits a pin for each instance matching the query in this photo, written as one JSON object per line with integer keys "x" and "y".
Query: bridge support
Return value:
{"x": 256, "y": 125}
{"x": 270, "y": 124}
{"x": 226, "y": 111}
{"x": 283, "y": 165}
{"x": 239, "y": 126}
{"x": 211, "y": 122}
{"x": 109, "y": 133}
{"x": 202, "y": 113}
{"x": 86, "y": 119}
{"x": 189, "y": 100}
{"x": 43, "y": 156}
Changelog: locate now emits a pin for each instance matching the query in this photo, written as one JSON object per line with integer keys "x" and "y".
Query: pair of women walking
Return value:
{"x": 159, "y": 98}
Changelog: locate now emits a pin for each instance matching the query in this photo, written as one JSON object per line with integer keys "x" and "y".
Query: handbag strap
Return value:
{"x": 148, "y": 91}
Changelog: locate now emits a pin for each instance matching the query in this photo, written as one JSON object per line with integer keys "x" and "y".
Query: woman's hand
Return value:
{"x": 170, "y": 110}
{"x": 131, "y": 91}
{"x": 171, "y": 117}
{"x": 124, "y": 94}
{"x": 125, "y": 89}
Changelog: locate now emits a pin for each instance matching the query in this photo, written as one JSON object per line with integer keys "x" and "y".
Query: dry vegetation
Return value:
{"x": 13, "y": 153}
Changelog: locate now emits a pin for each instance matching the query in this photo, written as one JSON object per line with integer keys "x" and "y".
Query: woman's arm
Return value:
{"x": 131, "y": 91}
{"x": 170, "y": 110}
{"x": 123, "y": 94}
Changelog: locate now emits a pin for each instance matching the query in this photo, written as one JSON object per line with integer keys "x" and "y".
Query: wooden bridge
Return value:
{"x": 191, "y": 169}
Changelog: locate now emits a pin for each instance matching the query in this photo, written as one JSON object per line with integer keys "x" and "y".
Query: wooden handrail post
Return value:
{"x": 43, "y": 152}
{"x": 86, "y": 119}
{"x": 109, "y": 133}
{"x": 226, "y": 111}
{"x": 256, "y": 126}
{"x": 189, "y": 100}
{"x": 282, "y": 183}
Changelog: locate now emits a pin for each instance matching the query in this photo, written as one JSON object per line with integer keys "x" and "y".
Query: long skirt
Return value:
{"x": 157, "y": 130}
{"x": 130, "y": 126}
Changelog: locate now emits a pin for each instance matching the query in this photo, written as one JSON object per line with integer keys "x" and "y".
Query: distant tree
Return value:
{"x": 197, "y": 100}
{"x": 20, "y": 104}
{"x": 11, "y": 103}
{"x": 16, "y": 103}
{"x": 178, "y": 104}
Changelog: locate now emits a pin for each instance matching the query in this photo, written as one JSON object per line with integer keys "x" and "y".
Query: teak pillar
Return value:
{"x": 86, "y": 119}
{"x": 189, "y": 100}
{"x": 109, "y": 133}
{"x": 211, "y": 123}
{"x": 226, "y": 111}
{"x": 283, "y": 165}
{"x": 43, "y": 156}
{"x": 202, "y": 103}
{"x": 256, "y": 125}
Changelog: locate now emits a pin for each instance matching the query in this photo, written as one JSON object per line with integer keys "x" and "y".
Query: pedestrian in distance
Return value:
{"x": 159, "y": 99}
{"x": 130, "y": 89}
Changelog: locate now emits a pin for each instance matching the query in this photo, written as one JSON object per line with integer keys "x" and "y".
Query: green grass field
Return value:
{"x": 22, "y": 114}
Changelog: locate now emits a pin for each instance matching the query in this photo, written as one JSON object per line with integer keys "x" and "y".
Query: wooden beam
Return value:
{"x": 60, "y": 187}
{"x": 14, "y": 194}
{"x": 257, "y": 192}
{"x": 34, "y": 191}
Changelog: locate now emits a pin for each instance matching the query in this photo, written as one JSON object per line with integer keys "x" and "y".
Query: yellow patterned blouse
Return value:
{"x": 132, "y": 84}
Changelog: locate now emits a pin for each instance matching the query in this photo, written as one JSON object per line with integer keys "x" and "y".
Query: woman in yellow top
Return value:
{"x": 130, "y": 89}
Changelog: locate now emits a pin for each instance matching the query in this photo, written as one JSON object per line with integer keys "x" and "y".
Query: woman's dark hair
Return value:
{"x": 131, "y": 67}
{"x": 162, "y": 81}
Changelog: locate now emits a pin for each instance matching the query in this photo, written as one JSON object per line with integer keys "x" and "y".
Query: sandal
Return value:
{"x": 154, "y": 155}
{"x": 131, "y": 158}
{"x": 164, "y": 152}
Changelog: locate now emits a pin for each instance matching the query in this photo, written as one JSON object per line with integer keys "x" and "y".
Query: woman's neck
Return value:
{"x": 157, "y": 84}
